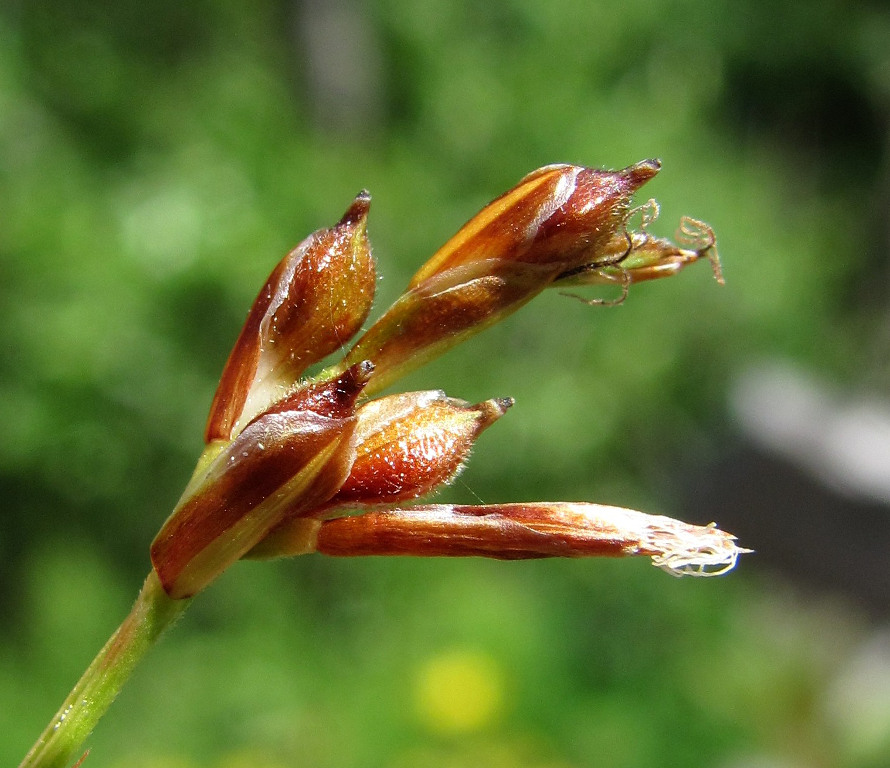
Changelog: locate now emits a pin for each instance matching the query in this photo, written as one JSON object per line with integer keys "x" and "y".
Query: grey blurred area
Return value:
{"x": 808, "y": 479}
{"x": 338, "y": 51}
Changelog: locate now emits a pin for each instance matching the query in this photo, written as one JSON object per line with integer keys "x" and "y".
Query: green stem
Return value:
{"x": 151, "y": 614}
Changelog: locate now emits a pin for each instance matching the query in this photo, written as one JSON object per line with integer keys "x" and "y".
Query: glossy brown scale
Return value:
{"x": 417, "y": 451}
{"x": 291, "y": 457}
{"x": 335, "y": 399}
{"x": 315, "y": 300}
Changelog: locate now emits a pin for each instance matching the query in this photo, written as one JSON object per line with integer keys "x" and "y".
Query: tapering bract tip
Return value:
{"x": 503, "y": 403}
{"x": 363, "y": 371}
{"x": 492, "y": 410}
{"x": 359, "y": 208}
{"x": 354, "y": 379}
{"x": 639, "y": 173}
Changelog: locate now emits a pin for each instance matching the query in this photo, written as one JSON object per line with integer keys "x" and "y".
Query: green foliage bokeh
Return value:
{"x": 157, "y": 158}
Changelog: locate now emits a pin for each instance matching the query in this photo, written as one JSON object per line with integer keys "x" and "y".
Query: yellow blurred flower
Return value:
{"x": 459, "y": 691}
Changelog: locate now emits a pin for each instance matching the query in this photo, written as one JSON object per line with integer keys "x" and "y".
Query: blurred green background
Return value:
{"x": 157, "y": 158}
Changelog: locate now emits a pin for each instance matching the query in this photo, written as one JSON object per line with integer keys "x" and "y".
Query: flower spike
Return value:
{"x": 555, "y": 220}
{"x": 282, "y": 457}
{"x": 285, "y": 457}
{"x": 533, "y": 530}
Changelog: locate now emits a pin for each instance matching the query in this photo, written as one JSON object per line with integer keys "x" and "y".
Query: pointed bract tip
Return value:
{"x": 359, "y": 208}
{"x": 364, "y": 369}
{"x": 502, "y": 403}
{"x": 639, "y": 173}
{"x": 492, "y": 410}
{"x": 356, "y": 377}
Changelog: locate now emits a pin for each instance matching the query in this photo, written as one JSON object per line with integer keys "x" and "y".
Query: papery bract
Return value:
{"x": 532, "y": 530}
{"x": 560, "y": 215}
{"x": 410, "y": 444}
{"x": 294, "y": 456}
{"x": 313, "y": 302}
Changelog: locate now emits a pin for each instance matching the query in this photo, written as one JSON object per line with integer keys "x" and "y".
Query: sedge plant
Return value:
{"x": 295, "y": 465}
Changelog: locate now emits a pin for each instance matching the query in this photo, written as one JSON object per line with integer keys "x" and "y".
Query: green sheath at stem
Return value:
{"x": 151, "y": 614}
